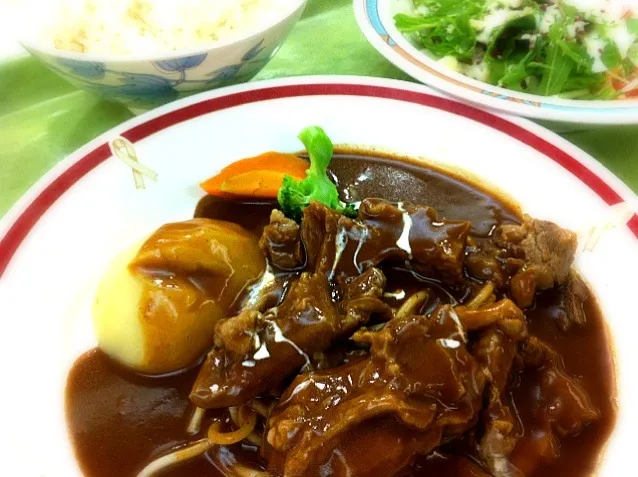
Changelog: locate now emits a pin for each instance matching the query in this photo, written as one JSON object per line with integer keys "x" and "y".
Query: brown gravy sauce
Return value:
{"x": 119, "y": 421}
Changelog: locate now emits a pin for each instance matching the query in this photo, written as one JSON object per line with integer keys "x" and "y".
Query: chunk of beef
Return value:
{"x": 383, "y": 232}
{"x": 436, "y": 245}
{"x": 493, "y": 260}
{"x": 496, "y": 350}
{"x": 500, "y": 436}
{"x": 319, "y": 228}
{"x": 281, "y": 242}
{"x": 380, "y": 425}
{"x": 419, "y": 387}
{"x": 548, "y": 249}
{"x": 257, "y": 352}
{"x": 561, "y": 402}
{"x": 535, "y": 255}
{"x": 570, "y": 310}
{"x": 236, "y": 336}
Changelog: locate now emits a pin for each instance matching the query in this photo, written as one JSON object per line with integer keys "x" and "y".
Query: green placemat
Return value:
{"x": 43, "y": 119}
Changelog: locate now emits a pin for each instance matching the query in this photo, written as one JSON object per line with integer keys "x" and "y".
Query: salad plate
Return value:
{"x": 377, "y": 20}
{"x": 59, "y": 238}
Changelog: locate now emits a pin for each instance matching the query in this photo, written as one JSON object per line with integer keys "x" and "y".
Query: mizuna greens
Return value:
{"x": 552, "y": 48}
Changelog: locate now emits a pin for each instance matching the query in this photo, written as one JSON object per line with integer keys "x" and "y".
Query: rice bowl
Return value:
{"x": 153, "y": 55}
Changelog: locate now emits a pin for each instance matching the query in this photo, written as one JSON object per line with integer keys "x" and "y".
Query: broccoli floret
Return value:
{"x": 295, "y": 195}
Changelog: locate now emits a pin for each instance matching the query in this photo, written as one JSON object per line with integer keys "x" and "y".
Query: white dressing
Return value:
{"x": 595, "y": 46}
{"x": 404, "y": 240}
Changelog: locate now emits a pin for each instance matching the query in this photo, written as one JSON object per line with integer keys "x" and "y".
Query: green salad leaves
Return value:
{"x": 295, "y": 195}
{"x": 543, "y": 47}
{"x": 447, "y": 30}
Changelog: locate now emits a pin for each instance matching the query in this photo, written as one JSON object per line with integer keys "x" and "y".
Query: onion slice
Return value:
{"x": 191, "y": 451}
{"x": 248, "y": 424}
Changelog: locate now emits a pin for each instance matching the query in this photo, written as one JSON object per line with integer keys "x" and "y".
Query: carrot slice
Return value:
{"x": 259, "y": 176}
{"x": 615, "y": 79}
{"x": 262, "y": 184}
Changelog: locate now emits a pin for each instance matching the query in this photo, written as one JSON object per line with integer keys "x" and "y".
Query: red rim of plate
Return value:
{"x": 46, "y": 198}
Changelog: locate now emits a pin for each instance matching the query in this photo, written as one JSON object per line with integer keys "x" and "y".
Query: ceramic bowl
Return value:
{"x": 143, "y": 82}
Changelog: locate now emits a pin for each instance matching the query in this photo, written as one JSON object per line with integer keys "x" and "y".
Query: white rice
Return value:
{"x": 155, "y": 26}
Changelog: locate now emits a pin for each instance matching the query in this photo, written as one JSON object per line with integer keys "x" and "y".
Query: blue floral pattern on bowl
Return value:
{"x": 144, "y": 82}
{"x": 253, "y": 52}
{"x": 145, "y": 86}
{"x": 84, "y": 69}
{"x": 181, "y": 64}
{"x": 251, "y": 62}
{"x": 169, "y": 80}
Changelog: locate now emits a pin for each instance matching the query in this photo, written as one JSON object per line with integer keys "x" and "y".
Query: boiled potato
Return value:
{"x": 157, "y": 305}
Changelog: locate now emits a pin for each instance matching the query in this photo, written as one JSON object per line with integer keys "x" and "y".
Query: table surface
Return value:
{"x": 43, "y": 119}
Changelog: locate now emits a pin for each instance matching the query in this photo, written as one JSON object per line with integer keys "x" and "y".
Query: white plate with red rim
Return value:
{"x": 376, "y": 21}
{"x": 56, "y": 242}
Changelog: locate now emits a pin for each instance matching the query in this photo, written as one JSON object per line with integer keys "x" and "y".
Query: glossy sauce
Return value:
{"x": 120, "y": 421}
{"x": 585, "y": 352}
